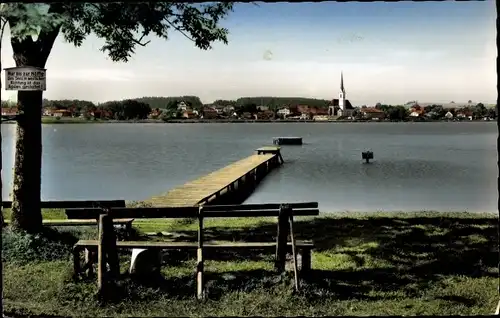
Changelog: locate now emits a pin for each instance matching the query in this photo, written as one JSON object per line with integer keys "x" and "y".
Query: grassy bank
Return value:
{"x": 69, "y": 120}
{"x": 364, "y": 264}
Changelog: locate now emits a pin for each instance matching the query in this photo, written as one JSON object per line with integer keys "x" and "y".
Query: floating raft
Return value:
{"x": 287, "y": 140}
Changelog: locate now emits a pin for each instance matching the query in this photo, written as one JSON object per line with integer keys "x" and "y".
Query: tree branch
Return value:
{"x": 46, "y": 40}
{"x": 3, "y": 27}
{"x": 139, "y": 41}
{"x": 179, "y": 30}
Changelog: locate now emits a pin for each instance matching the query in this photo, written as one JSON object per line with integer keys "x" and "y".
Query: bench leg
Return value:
{"x": 306, "y": 260}
{"x": 90, "y": 257}
{"x": 76, "y": 261}
{"x": 200, "y": 292}
{"x": 128, "y": 229}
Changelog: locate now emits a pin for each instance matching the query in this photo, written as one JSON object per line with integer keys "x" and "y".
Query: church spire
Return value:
{"x": 342, "y": 82}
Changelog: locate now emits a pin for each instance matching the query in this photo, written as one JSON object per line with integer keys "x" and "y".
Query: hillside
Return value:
{"x": 274, "y": 102}
{"x": 161, "y": 102}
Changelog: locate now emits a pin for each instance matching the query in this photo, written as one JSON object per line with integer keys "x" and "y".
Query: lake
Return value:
{"x": 417, "y": 166}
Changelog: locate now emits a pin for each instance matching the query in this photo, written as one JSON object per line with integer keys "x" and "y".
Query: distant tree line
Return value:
{"x": 436, "y": 111}
{"x": 277, "y": 102}
{"x": 170, "y": 102}
{"x": 119, "y": 110}
{"x": 126, "y": 109}
{"x": 167, "y": 107}
{"x": 394, "y": 112}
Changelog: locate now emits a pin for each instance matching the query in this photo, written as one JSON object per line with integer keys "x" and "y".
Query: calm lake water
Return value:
{"x": 417, "y": 166}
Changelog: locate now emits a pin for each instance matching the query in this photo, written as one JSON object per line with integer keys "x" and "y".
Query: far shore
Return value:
{"x": 69, "y": 120}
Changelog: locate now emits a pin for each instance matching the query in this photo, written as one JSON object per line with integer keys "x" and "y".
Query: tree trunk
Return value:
{"x": 26, "y": 211}
{"x": 1, "y": 171}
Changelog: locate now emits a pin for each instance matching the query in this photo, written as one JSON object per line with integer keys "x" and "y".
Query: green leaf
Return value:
{"x": 122, "y": 25}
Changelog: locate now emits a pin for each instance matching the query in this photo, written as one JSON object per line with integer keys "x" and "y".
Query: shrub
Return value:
{"x": 49, "y": 245}
{"x": 165, "y": 117}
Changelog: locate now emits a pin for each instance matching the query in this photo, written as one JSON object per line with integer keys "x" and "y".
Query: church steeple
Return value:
{"x": 342, "y": 82}
{"x": 342, "y": 103}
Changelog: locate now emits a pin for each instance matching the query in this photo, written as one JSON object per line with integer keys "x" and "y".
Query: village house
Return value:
{"x": 228, "y": 110}
{"x": 188, "y": 114}
{"x": 262, "y": 108}
{"x": 62, "y": 113}
{"x": 218, "y": 108}
{"x": 304, "y": 111}
{"x": 319, "y": 114}
{"x": 101, "y": 113}
{"x": 284, "y": 112}
{"x": 182, "y": 106}
{"x": 462, "y": 114}
{"x": 432, "y": 115}
{"x": 294, "y": 110}
{"x": 155, "y": 113}
{"x": 264, "y": 115}
{"x": 48, "y": 111}
{"x": 308, "y": 113}
{"x": 246, "y": 115}
{"x": 372, "y": 113}
{"x": 448, "y": 115}
{"x": 209, "y": 113}
{"x": 417, "y": 111}
{"x": 9, "y": 111}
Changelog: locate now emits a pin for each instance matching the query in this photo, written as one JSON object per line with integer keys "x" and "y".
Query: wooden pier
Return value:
{"x": 234, "y": 179}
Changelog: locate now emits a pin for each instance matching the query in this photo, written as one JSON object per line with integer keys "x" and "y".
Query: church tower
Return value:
{"x": 342, "y": 103}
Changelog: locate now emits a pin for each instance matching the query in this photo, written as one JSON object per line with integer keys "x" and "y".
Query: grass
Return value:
{"x": 422, "y": 263}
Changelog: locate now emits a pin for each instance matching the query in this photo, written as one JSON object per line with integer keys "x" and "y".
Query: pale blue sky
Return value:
{"x": 389, "y": 52}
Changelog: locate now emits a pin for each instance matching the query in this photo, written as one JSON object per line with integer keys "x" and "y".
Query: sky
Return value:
{"x": 388, "y": 52}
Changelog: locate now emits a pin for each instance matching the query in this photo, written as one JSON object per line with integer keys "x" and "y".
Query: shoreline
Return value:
{"x": 51, "y": 121}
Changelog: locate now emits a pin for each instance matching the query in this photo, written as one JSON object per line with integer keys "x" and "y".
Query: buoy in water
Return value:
{"x": 367, "y": 155}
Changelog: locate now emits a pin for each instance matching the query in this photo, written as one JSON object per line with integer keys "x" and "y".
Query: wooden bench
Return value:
{"x": 107, "y": 244}
{"x": 126, "y": 222}
{"x": 74, "y": 204}
{"x": 90, "y": 249}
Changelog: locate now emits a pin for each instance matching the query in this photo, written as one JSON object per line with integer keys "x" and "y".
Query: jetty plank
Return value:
{"x": 195, "y": 192}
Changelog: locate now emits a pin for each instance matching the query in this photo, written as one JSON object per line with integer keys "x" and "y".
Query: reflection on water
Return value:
{"x": 433, "y": 166}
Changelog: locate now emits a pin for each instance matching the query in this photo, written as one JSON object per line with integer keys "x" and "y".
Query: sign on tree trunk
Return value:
{"x": 26, "y": 78}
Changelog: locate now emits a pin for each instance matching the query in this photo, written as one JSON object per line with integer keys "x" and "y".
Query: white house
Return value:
{"x": 219, "y": 109}
{"x": 284, "y": 112}
{"x": 182, "y": 106}
{"x": 229, "y": 109}
{"x": 448, "y": 115}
